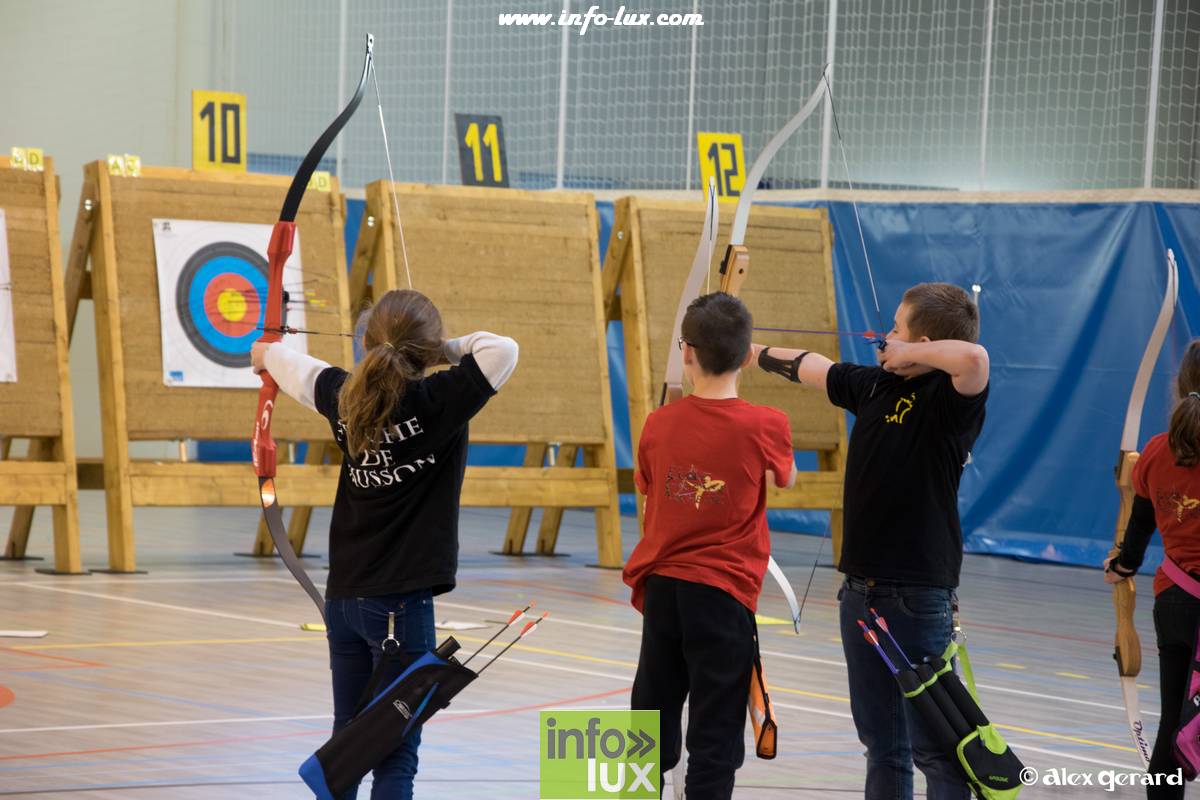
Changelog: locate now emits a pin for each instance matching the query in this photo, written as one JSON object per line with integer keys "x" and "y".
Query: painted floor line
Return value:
{"x": 167, "y": 606}
{"x": 558, "y": 620}
{"x": 216, "y": 721}
{"x": 241, "y": 739}
{"x": 839, "y": 699}
{"x": 166, "y": 643}
{"x": 1059, "y": 754}
{"x": 474, "y": 608}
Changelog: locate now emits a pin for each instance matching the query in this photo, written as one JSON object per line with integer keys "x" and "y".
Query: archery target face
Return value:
{"x": 8, "y": 337}
{"x": 212, "y": 294}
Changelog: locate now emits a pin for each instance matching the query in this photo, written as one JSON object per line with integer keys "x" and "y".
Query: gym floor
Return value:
{"x": 194, "y": 680}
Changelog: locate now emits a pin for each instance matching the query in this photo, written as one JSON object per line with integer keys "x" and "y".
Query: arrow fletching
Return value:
{"x": 529, "y": 626}
{"x": 880, "y": 621}
{"x": 515, "y": 616}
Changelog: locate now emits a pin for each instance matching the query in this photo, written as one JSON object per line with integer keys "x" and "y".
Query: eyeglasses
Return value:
{"x": 681, "y": 342}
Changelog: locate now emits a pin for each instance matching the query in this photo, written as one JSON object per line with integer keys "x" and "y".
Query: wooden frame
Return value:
{"x": 38, "y": 406}
{"x": 113, "y": 232}
{"x": 525, "y": 264}
{"x": 790, "y": 284}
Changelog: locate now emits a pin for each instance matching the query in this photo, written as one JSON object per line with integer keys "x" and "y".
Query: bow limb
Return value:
{"x": 736, "y": 265}
{"x": 672, "y": 388}
{"x": 263, "y": 451}
{"x": 1128, "y": 649}
{"x": 736, "y": 262}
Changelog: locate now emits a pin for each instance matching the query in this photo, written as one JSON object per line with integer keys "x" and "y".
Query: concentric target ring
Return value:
{"x": 220, "y": 298}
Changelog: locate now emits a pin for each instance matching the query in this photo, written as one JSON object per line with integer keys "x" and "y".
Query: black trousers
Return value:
{"x": 697, "y": 644}
{"x": 1176, "y": 616}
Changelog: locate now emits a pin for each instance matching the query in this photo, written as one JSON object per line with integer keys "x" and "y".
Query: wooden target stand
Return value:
{"x": 789, "y": 285}
{"x": 523, "y": 264}
{"x": 113, "y": 230}
{"x": 37, "y": 406}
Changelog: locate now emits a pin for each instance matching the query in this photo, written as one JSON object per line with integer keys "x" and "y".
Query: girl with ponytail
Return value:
{"x": 1166, "y": 482}
{"x": 393, "y": 537}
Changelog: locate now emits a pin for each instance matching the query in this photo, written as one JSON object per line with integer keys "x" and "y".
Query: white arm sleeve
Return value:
{"x": 495, "y": 355}
{"x": 295, "y": 372}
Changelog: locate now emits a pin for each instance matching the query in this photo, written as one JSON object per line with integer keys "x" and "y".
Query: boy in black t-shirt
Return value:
{"x": 917, "y": 416}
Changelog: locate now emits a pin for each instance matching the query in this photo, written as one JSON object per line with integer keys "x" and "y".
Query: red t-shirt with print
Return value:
{"x": 1175, "y": 492}
{"x": 702, "y": 465}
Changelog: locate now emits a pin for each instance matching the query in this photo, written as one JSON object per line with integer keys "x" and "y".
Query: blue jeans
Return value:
{"x": 888, "y": 726}
{"x": 356, "y": 628}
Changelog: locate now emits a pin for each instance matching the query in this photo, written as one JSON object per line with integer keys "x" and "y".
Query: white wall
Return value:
{"x": 84, "y": 79}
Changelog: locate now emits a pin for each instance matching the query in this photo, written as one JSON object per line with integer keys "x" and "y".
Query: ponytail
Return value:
{"x": 403, "y": 338}
{"x": 1183, "y": 436}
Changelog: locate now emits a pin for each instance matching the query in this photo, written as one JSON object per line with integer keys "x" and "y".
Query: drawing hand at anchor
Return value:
{"x": 896, "y": 358}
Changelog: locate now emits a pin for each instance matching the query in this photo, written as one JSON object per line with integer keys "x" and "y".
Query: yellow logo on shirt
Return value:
{"x": 692, "y": 485}
{"x": 1181, "y": 504}
{"x": 903, "y": 406}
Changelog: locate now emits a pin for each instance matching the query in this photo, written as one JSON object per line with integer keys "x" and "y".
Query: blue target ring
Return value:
{"x": 221, "y": 299}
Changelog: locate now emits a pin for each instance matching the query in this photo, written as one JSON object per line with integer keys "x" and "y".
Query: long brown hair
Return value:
{"x": 1184, "y": 434}
{"x": 402, "y": 337}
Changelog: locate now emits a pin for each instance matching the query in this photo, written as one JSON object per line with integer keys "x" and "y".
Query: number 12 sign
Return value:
{"x": 481, "y": 154}
{"x": 721, "y": 158}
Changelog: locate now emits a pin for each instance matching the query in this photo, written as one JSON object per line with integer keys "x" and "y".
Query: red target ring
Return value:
{"x": 231, "y": 304}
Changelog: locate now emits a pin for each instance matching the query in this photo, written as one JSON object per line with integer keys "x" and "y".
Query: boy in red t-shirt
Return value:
{"x": 703, "y": 464}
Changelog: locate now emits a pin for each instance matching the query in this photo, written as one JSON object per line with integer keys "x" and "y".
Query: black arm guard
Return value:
{"x": 788, "y": 369}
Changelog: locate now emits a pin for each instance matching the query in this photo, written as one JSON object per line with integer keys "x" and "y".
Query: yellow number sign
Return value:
{"x": 481, "y": 153}
{"x": 127, "y": 166}
{"x": 321, "y": 181}
{"x": 29, "y": 158}
{"x": 218, "y": 131}
{"x": 721, "y": 158}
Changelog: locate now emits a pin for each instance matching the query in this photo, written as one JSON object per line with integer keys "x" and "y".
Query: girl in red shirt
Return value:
{"x": 1166, "y": 482}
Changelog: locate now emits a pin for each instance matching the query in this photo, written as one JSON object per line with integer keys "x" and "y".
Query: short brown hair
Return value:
{"x": 719, "y": 327}
{"x": 942, "y": 311}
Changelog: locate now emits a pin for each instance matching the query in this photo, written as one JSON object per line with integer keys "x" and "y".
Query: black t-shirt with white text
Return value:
{"x": 910, "y": 442}
{"x": 395, "y": 517}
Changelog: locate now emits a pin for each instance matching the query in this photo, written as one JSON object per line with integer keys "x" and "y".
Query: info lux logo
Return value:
{"x": 599, "y": 754}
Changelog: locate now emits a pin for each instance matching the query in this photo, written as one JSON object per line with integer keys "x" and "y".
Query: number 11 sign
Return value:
{"x": 481, "y": 154}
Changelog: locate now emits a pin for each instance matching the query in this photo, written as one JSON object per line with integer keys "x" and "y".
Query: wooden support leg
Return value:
{"x": 835, "y": 534}
{"x": 318, "y": 453}
{"x": 552, "y": 517}
{"x": 22, "y": 518}
{"x": 608, "y": 517}
{"x": 67, "y": 558}
{"x": 263, "y": 546}
{"x": 65, "y": 518}
{"x": 118, "y": 501}
{"x": 518, "y": 518}
{"x": 832, "y": 461}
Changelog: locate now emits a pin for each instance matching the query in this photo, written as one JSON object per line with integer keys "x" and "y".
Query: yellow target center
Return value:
{"x": 232, "y": 305}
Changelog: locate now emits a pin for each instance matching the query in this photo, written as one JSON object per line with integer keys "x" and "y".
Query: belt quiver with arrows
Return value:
{"x": 425, "y": 687}
{"x": 952, "y": 714}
